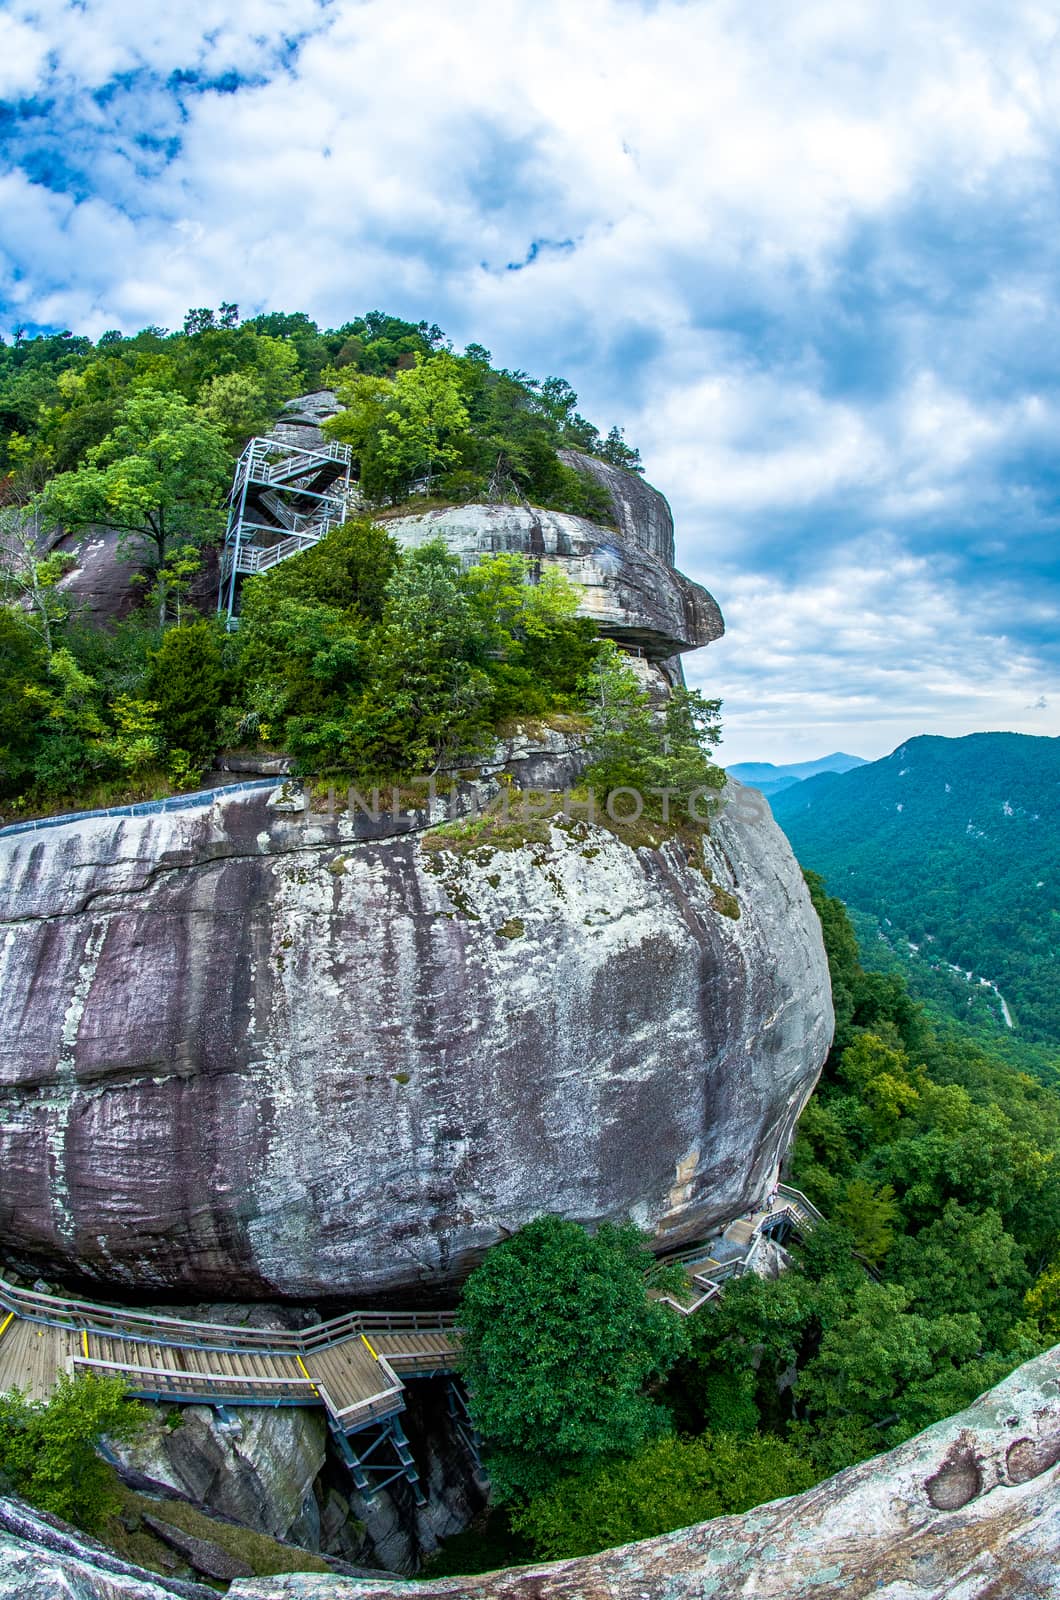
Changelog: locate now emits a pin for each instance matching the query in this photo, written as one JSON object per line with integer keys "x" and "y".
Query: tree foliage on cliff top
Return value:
{"x": 63, "y": 400}
{"x": 140, "y": 434}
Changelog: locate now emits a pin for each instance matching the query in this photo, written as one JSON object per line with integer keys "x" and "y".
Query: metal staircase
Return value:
{"x": 283, "y": 500}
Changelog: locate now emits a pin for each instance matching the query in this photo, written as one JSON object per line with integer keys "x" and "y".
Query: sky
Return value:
{"x": 805, "y": 255}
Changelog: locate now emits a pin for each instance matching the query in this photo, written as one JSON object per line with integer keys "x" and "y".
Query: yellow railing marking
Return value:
{"x": 305, "y": 1369}
{"x": 373, "y": 1353}
{"x": 84, "y": 1342}
{"x": 6, "y": 1322}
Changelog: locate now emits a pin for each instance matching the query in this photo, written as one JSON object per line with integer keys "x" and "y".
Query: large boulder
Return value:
{"x": 245, "y": 1053}
{"x": 968, "y": 1510}
{"x": 630, "y": 594}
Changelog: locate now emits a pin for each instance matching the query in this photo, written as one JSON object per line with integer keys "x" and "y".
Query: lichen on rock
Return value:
{"x": 226, "y": 1068}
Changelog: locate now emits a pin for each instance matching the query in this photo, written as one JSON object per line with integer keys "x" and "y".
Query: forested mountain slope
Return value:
{"x": 954, "y": 845}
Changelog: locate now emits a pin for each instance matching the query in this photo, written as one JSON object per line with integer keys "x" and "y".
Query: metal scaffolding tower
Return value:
{"x": 283, "y": 500}
{"x": 377, "y": 1455}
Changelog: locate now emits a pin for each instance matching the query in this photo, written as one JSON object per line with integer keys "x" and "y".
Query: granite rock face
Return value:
{"x": 628, "y": 592}
{"x": 260, "y": 1474}
{"x": 642, "y": 514}
{"x": 632, "y": 590}
{"x": 243, "y": 1053}
{"x": 968, "y": 1510}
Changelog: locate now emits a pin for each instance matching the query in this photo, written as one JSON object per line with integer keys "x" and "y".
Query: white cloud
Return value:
{"x": 870, "y": 652}
{"x": 22, "y": 52}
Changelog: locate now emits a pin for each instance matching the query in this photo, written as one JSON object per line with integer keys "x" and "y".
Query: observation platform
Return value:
{"x": 284, "y": 499}
{"x": 353, "y": 1366}
{"x": 708, "y": 1267}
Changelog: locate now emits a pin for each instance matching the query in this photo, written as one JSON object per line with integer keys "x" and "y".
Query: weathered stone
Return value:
{"x": 871, "y": 1531}
{"x": 641, "y": 513}
{"x": 260, "y": 1474}
{"x": 299, "y": 423}
{"x": 206, "y": 1558}
{"x": 628, "y": 592}
{"x": 42, "y": 1558}
{"x": 243, "y": 1056}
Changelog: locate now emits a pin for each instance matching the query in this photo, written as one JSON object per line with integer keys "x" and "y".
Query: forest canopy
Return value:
{"x": 355, "y": 657}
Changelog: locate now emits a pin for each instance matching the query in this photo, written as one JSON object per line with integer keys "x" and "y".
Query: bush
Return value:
{"x": 48, "y": 1451}
{"x": 187, "y": 681}
{"x": 670, "y": 1484}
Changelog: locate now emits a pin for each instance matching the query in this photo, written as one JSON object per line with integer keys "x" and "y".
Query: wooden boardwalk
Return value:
{"x": 352, "y": 1365}
{"x": 707, "y": 1272}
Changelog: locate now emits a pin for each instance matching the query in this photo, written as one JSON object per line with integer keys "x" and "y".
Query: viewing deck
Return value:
{"x": 709, "y": 1266}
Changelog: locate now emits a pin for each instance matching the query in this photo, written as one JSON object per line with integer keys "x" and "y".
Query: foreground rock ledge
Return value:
{"x": 968, "y": 1510}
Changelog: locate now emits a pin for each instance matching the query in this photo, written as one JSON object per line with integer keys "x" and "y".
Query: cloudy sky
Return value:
{"x": 806, "y": 255}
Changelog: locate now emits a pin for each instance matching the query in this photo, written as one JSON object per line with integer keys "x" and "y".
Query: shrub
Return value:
{"x": 48, "y": 1450}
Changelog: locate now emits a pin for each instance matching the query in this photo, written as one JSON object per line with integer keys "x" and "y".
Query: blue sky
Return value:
{"x": 806, "y": 255}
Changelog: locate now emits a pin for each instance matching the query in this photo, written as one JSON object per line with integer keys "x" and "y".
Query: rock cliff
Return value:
{"x": 245, "y": 1053}
{"x": 968, "y": 1510}
{"x": 630, "y": 595}
{"x": 631, "y": 588}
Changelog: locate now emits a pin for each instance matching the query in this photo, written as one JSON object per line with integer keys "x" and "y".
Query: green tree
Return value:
{"x": 632, "y": 744}
{"x": 870, "y": 1214}
{"x": 668, "y": 1484}
{"x": 349, "y": 569}
{"x": 538, "y": 650}
{"x": 158, "y": 477}
{"x": 427, "y": 416}
{"x": 1042, "y": 1303}
{"x": 29, "y": 576}
{"x": 428, "y": 698}
{"x": 23, "y": 664}
{"x": 874, "y": 1360}
{"x": 186, "y": 681}
{"x": 964, "y": 1261}
{"x": 71, "y": 749}
{"x": 403, "y": 427}
{"x": 560, "y": 1343}
{"x": 48, "y": 1451}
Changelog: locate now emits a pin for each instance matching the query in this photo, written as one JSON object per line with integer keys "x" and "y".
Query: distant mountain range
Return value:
{"x": 763, "y": 775}
{"x": 953, "y": 847}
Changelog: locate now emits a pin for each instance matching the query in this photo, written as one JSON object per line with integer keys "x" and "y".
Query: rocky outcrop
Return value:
{"x": 642, "y": 515}
{"x": 631, "y": 588}
{"x": 271, "y": 1470}
{"x": 968, "y": 1510}
{"x": 243, "y": 1053}
{"x": 261, "y": 1472}
{"x": 628, "y": 592}
{"x": 44, "y": 1559}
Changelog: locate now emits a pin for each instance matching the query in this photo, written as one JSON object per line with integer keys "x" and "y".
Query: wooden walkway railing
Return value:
{"x": 350, "y": 1365}
{"x": 791, "y": 1212}
{"x": 353, "y": 1365}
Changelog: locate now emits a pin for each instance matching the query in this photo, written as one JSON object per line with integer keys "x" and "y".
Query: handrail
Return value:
{"x": 244, "y": 1382}
{"x": 797, "y": 1196}
{"x": 138, "y": 808}
{"x": 128, "y": 1322}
